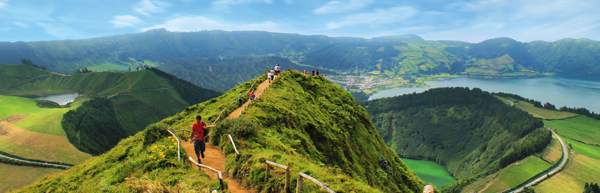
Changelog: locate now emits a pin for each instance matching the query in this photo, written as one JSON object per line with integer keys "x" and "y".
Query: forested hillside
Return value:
{"x": 305, "y": 122}
{"x": 394, "y": 56}
{"x": 127, "y": 102}
{"x": 468, "y": 131}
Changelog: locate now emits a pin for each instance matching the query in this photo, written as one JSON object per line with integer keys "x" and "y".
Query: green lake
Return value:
{"x": 430, "y": 172}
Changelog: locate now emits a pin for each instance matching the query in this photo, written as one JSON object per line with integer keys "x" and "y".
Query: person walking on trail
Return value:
{"x": 198, "y": 137}
{"x": 250, "y": 94}
{"x": 304, "y": 72}
{"x": 269, "y": 76}
{"x": 317, "y": 72}
{"x": 277, "y": 69}
{"x": 313, "y": 72}
{"x": 252, "y": 98}
{"x": 273, "y": 74}
{"x": 240, "y": 98}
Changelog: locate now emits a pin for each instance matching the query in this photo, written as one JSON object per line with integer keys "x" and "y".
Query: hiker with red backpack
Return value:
{"x": 198, "y": 137}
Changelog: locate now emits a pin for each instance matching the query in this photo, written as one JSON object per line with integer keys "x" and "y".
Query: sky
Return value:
{"x": 468, "y": 20}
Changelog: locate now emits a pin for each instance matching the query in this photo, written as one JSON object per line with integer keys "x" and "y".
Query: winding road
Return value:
{"x": 34, "y": 162}
{"x": 552, "y": 172}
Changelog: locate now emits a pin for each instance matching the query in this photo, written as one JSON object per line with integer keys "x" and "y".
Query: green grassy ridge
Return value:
{"x": 311, "y": 125}
{"x": 469, "y": 132}
{"x": 131, "y": 167}
{"x": 138, "y": 98}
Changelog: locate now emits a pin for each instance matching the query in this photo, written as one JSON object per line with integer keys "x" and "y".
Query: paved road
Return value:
{"x": 552, "y": 172}
{"x": 34, "y": 162}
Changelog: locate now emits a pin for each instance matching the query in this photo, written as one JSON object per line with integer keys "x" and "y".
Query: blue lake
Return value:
{"x": 560, "y": 90}
{"x": 61, "y": 99}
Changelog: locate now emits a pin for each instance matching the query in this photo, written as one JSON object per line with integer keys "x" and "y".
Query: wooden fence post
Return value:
{"x": 299, "y": 184}
{"x": 287, "y": 181}
{"x": 267, "y": 174}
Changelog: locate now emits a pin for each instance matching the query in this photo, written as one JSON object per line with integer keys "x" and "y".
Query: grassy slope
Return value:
{"x": 122, "y": 168}
{"x": 13, "y": 177}
{"x": 553, "y": 152}
{"x": 313, "y": 126}
{"x": 39, "y": 135}
{"x": 517, "y": 173}
{"x": 581, "y": 128}
{"x": 543, "y": 113}
{"x": 583, "y": 167}
{"x": 132, "y": 166}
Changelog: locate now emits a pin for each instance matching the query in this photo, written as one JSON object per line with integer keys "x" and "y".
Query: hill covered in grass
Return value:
{"x": 468, "y": 131}
{"x": 122, "y": 103}
{"x": 304, "y": 122}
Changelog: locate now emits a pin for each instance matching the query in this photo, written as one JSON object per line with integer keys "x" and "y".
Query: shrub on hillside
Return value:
{"x": 154, "y": 132}
{"x": 240, "y": 128}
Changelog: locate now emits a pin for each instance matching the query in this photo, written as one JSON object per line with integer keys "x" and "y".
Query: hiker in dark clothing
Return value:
{"x": 317, "y": 72}
{"x": 313, "y": 72}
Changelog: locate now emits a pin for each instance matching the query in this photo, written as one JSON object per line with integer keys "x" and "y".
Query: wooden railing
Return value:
{"x": 287, "y": 173}
{"x": 237, "y": 153}
{"x": 219, "y": 174}
{"x": 301, "y": 183}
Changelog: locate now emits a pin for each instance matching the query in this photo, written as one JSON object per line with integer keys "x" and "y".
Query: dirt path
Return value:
{"x": 213, "y": 157}
{"x": 259, "y": 91}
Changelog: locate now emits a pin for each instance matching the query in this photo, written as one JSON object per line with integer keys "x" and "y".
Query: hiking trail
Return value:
{"x": 214, "y": 157}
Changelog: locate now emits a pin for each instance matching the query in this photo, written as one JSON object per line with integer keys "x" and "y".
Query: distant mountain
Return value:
{"x": 403, "y": 55}
{"x": 119, "y": 104}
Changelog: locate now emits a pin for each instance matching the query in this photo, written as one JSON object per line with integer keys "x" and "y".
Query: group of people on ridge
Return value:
{"x": 199, "y": 128}
{"x": 313, "y": 72}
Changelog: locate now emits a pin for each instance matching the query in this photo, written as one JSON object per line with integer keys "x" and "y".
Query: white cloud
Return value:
{"x": 21, "y": 24}
{"x": 379, "y": 16}
{"x": 147, "y": 7}
{"x": 340, "y": 7}
{"x": 199, "y": 23}
{"x": 224, "y": 4}
{"x": 125, "y": 21}
{"x": 3, "y": 3}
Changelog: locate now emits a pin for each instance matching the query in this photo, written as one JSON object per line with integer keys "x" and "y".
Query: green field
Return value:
{"x": 39, "y": 135}
{"x": 577, "y": 172}
{"x": 580, "y": 128}
{"x": 13, "y": 177}
{"x": 41, "y": 120}
{"x": 430, "y": 172}
{"x": 587, "y": 150}
{"x": 543, "y": 113}
{"x": 515, "y": 174}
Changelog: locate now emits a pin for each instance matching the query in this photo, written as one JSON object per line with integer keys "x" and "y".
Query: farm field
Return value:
{"x": 14, "y": 177}
{"x": 40, "y": 120}
{"x": 515, "y": 174}
{"x": 581, "y": 128}
{"x": 553, "y": 152}
{"x": 36, "y": 133}
{"x": 543, "y": 113}
{"x": 579, "y": 170}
